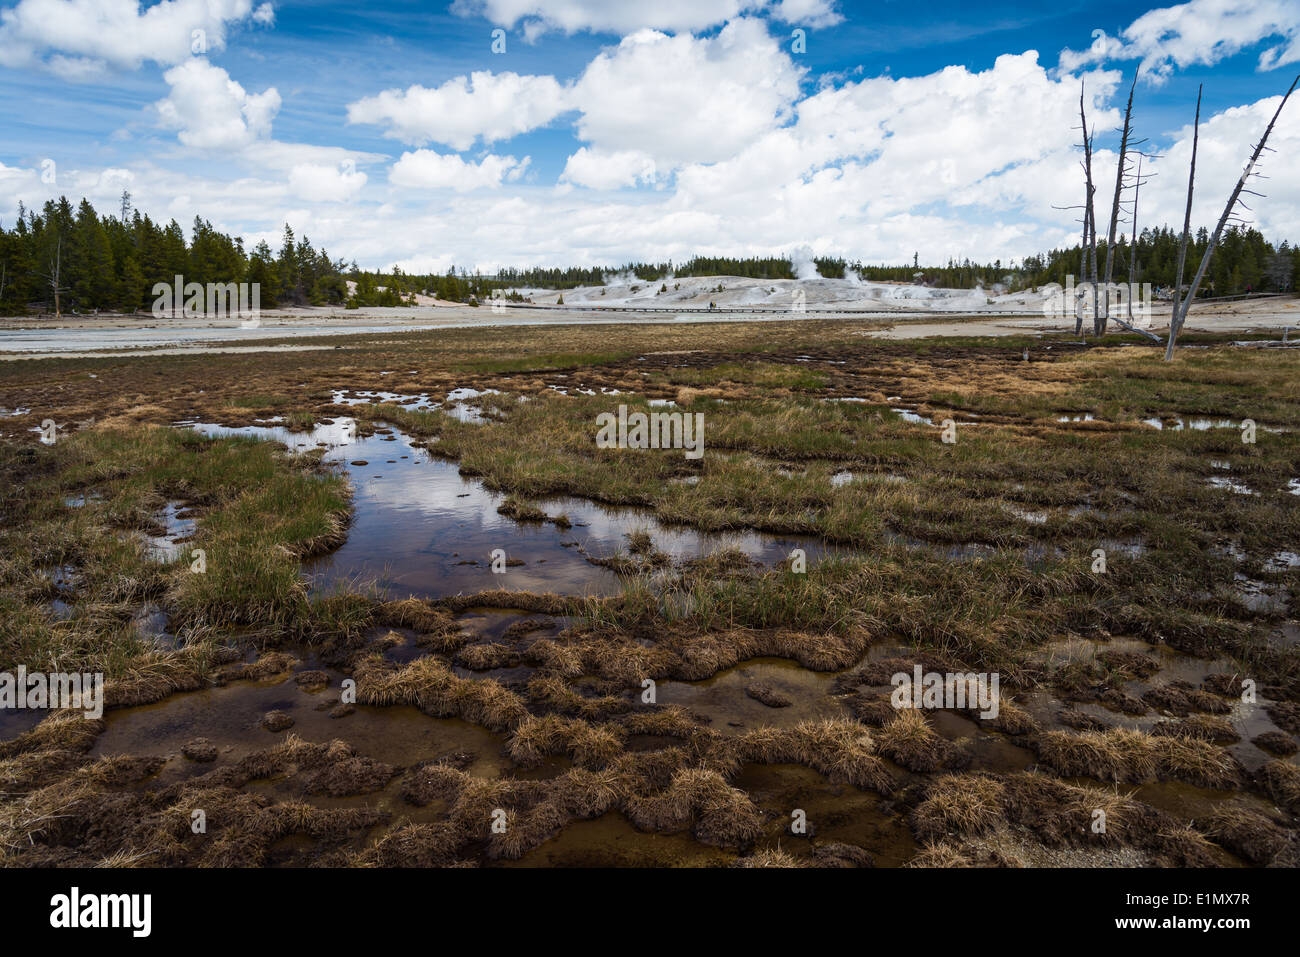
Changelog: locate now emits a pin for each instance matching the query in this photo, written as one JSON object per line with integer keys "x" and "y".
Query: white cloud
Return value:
{"x": 629, "y": 16}
{"x": 74, "y": 69}
{"x": 833, "y": 190}
{"x": 958, "y": 162}
{"x": 216, "y": 118}
{"x": 212, "y": 111}
{"x": 601, "y": 170}
{"x": 995, "y": 143}
{"x": 806, "y": 13}
{"x": 17, "y": 185}
{"x": 318, "y": 182}
{"x": 485, "y": 105}
{"x": 687, "y": 99}
{"x": 78, "y": 39}
{"x": 1225, "y": 143}
{"x": 274, "y": 155}
{"x": 428, "y": 169}
{"x": 1199, "y": 32}
{"x": 673, "y": 99}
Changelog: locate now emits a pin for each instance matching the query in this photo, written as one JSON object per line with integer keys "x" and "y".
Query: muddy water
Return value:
{"x": 723, "y": 702}
{"x": 420, "y": 528}
{"x": 1188, "y": 802}
{"x": 178, "y": 528}
{"x": 230, "y": 717}
{"x": 611, "y": 841}
{"x": 834, "y": 813}
{"x": 988, "y": 751}
{"x": 16, "y": 721}
{"x": 1249, "y": 719}
{"x": 490, "y": 624}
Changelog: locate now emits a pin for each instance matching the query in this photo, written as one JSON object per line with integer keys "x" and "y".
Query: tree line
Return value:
{"x": 77, "y": 260}
{"x": 1243, "y": 262}
{"x": 66, "y": 260}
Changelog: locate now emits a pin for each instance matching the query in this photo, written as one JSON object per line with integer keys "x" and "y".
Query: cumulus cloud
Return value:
{"x": 1225, "y": 142}
{"x": 79, "y": 39}
{"x": 806, "y": 13}
{"x": 212, "y": 111}
{"x": 319, "y": 182}
{"x": 598, "y": 169}
{"x": 629, "y": 16}
{"x": 428, "y": 169}
{"x": 485, "y": 105}
{"x": 958, "y": 162}
{"x": 685, "y": 99}
{"x": 996, "y": 139}
{"x": 1199, "y": 32}
{"x": 800, "y": 195}
{"x": 216, "y": 117}
{"x": 674, "y": 99}
{"x": 17, "y": 184}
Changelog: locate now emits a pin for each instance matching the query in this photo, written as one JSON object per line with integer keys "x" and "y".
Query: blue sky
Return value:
{"x": 604, "y": 132}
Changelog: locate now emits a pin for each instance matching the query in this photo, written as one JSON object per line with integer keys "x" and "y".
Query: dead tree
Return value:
{"x": 1177, "y": 321}
{"x": 1133, "y": 244}
{"x": 1132, "y": 269}
{"x": 1099, "y": 321}
{"x": 1187, "y": 229}
{"x": 1083, "y": 269}
{"x": 1089, "y": 216}
{"x": 1089, "y": 226}
{"x": 52, "y": 277}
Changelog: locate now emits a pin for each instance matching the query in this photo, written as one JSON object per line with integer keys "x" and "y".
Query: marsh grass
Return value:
{"x": 259, "y": 512}
{"x": 976, "y": 553}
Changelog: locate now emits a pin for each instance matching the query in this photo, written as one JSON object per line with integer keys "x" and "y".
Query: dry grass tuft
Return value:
{"x": 844, "y": 751}
{"x": 963, "y": 804}
{"x": 701, "y": 799}
{"x": 1280, "y": 781}
{"x": 590, "y": 746}
{"x": 769, "y": 857}
{"x": 912, "y": 742}
{"x": 430, "y": 685}
{"x": 1134, "y": 757}
{"x": 1249, "y": 834}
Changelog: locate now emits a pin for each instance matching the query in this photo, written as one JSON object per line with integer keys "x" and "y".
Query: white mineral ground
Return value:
{"x": 891, "y": 310}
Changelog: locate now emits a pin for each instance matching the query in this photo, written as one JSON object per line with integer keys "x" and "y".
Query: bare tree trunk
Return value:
{"x": 1092, "y": 217}
{"x": 54, "y": 276}
{"x": 1089, "y": 215}
{"x": 1187, "y": 230}
{"x": 1087, "y": 223}
{"x": 1083, "y": 272}
{"x": 1133, "y": 244}
{"x": 1227, "y": 212}
{"x": 1100, "y": 321}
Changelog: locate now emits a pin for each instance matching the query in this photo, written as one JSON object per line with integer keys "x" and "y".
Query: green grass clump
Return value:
{"x": 259, "y": 511}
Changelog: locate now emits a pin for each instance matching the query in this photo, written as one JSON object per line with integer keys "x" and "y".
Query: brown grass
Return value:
{"x": 1280, "y": 781}
{"x": 844, "y": 751}
{"x": 430, "y": 685}
{"x": 1250, "y": 835}
{"x": 963, "y": 804}
{"x": 701, "y": 799}
{"x": 912, "y": 742}
{"x": 1134, "y": 757}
